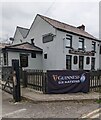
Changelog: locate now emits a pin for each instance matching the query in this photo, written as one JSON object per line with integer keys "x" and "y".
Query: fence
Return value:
{"x": 36, "y": 79}
{"x": 95, "y": 81}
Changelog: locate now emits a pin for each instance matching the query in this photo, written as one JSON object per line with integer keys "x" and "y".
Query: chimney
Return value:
{"x": 82, "y": 27}
{"x": 32, "y": 41}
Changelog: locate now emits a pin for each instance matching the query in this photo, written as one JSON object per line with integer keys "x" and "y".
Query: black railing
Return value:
{"x": 36, "y": 79}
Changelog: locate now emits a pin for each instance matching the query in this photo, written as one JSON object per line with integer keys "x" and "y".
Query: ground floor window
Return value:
{"x": 68, "y": 61}
{"x": 92, "y": 63}
{"x": 23, "y": 60}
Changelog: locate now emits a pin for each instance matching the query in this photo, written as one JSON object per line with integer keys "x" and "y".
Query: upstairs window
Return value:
{"x": 68, "y": 41}
{"x": 47, "y": 38}
{"x": 93, "y": 46}
{"x": 81, "y": 44}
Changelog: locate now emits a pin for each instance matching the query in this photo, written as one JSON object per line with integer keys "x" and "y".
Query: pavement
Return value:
{"x": 36, "y": 96}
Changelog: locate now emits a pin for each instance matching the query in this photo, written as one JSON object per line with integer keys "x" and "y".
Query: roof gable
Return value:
{"x": 23, "y": 31}
{"x": 24, "y": 46}
{"x": 66, "y": 27}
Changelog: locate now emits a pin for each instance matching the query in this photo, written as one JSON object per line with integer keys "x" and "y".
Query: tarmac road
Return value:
{"x": 27, "y": 109}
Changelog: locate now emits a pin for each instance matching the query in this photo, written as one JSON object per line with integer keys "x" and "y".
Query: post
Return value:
{"x": 24, "y": 79}
{"x": 16, "y": 81}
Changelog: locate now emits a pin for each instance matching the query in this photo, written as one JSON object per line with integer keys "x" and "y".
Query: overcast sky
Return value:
{"x": 73, "y": 13}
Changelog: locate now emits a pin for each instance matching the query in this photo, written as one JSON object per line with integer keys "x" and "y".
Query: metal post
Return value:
{"x": 16, "y": 81}
{"x": 24, "y": 79}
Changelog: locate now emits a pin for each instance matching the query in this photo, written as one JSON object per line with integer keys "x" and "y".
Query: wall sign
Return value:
{"x": 64, "y": 81}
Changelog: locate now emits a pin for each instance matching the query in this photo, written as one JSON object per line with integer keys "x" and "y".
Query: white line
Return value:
{"x": 17, "y": 111}
{"x": 89, "y": 114}
{"x": 95, "y": 116}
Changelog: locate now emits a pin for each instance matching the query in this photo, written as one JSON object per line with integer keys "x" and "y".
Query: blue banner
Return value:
{"x": 64, "y": 81}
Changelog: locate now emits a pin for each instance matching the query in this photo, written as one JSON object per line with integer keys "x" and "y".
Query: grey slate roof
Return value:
{"x": 24, "y": 46}
{"x": 23, "y": 31}
{"x": 66, "y": 27}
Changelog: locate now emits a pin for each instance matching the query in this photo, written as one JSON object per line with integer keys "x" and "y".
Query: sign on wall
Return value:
{"x": 64, "y": 81}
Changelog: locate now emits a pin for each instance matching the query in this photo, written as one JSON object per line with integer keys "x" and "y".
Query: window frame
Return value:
{"x": 93, "y": 46}
{"x": 81, "y": 40}
{"x": 69, "y": 39}
{"x": 68, "y": 62}
{"x": 45, "y": 56}
{"x": 24, "y": 63}
{"x": 33, "y": 55}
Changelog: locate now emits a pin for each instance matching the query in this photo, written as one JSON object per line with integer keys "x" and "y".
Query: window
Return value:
{"x": 75, "y": 59}
{"x": 93, "y": 63}
{"x": 100, "y": 49}
{"x": 5, "y": 54}
{"x": 48, "y": 38}
{"x": 33, "y": 55}
{"x": 93, "y": 46}
{"x": 68, "y": 41}
{"x": 23, "y": 60}
{"x": 68, "y": 61}
{"x": 87, "y": 60}
{"x": 45, "y": 56}
{"x": 81, "y": 43}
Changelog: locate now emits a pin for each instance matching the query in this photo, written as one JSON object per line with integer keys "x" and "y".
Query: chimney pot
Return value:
{"x": 82, "y": 27}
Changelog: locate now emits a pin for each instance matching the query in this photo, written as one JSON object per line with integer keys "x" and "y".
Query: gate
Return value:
{"x": 11, "y": 80}
{"x": 7, "y": 82}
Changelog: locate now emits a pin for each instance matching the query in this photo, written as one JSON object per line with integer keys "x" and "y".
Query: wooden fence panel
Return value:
{"x": 95, "y": 81}
{"x": 35, "y": 79}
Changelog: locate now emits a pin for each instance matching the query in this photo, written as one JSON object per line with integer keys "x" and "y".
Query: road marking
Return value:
{"x": 17, "y": 111}
{"x": 96, "y": 116}
{"x": 92, "y": 113}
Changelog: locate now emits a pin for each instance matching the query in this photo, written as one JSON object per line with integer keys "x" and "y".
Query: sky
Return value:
{"x": 73, "y": 12}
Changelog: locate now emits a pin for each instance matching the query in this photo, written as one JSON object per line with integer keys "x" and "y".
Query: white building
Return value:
{"x": 61, "y": 46}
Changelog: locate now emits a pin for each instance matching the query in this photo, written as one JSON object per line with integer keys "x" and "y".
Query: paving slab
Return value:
{"x": 36, "y": 96}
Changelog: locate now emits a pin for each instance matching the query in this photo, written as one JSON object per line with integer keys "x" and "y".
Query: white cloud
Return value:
{"x": 74, "y": 13}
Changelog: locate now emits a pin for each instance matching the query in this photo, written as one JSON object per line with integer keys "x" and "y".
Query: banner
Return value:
{"x": 64, "y": 81}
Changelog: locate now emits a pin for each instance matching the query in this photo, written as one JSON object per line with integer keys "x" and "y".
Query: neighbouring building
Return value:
{"x": 53, "y": 45}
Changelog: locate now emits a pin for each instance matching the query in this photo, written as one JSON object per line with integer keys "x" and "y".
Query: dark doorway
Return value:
{"x": 68, "y": 62}
{"x": 81, "y": 62}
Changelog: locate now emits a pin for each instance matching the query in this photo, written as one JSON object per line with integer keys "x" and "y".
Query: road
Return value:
{"x": 27, "y": 109}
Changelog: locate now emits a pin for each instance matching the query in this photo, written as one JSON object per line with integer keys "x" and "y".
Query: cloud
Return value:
{"x": 74, "y": 13}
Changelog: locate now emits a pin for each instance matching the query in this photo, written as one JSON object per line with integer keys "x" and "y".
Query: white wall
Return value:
{"x": 62, "y": 51}
{"x": 40, "y": 28}
{"x": 33, "y": 63}
{"x": 56, "y": 53}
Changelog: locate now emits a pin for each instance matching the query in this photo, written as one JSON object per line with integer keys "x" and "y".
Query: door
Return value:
{"x": 92, "y": 63}
{"x": 68, "y": 62}
{"x": 81, "y": 62}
